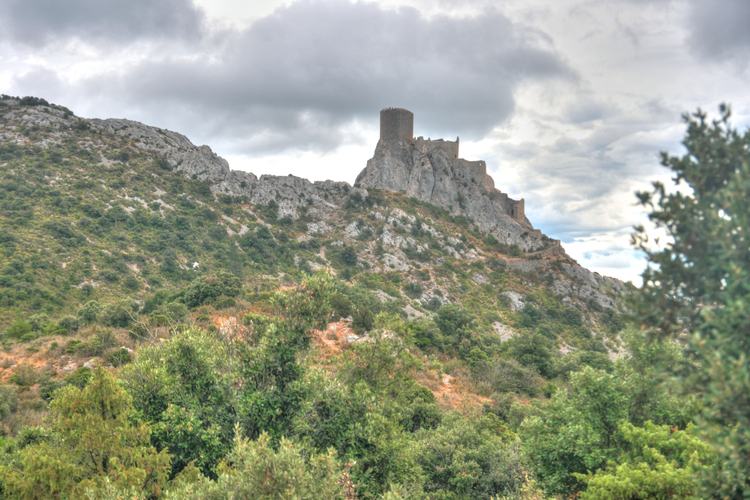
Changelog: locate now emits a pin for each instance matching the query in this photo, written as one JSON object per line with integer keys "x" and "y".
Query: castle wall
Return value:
{"x": 518, "y": 210}
{"x": 396, "y": 124}
{"x": 449, "y": 148}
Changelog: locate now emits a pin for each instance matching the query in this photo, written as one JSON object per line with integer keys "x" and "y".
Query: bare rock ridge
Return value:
{"x": 433, "y": 172}
{"x": 429, "y": 170}
{"x": 290, "y": 193}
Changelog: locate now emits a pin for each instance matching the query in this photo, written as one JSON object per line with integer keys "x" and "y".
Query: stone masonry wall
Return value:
{"x": 396, "y": 124}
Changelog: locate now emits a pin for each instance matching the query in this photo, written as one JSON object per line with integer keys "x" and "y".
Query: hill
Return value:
{"x": 116, "y": 236}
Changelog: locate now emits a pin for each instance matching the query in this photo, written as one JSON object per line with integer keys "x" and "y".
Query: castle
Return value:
{"x": 397, "y": 131}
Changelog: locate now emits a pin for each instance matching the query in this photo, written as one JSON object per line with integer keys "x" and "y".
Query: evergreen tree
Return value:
{"x": 94, "y": 443}
{"x": 697, "y": 285}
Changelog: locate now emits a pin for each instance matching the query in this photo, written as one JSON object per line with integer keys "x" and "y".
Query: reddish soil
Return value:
{"x": 452, "y": 391}
{"x": 37, "y": 357}
{"x": 332, "y": 340}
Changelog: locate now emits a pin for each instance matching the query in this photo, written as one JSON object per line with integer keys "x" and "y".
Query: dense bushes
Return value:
{"x": 182, "y": 389}
{"x": 209, "y": 288}
{"x": 215, "y": 415}
{"x": 257, "y": 469}
{"x": 471, "y": 458}
{"x": 592, "y": 425}
{"x": 656, "y": 461}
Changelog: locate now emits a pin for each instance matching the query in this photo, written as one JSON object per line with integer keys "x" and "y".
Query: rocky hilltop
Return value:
{"x": 432, "y": 171}
{"x": 429, "y": 171}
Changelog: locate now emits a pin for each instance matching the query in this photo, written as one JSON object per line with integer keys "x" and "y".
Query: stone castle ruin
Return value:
{"x": 432, "y": 171}
{"x": 396, "y": 124}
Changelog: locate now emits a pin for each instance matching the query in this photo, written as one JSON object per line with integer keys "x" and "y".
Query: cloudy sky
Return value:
{"x": 568, "y": 101}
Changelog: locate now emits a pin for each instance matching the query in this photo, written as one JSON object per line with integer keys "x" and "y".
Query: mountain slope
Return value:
{"x": 369, "y": 319}
{"x": 98, "y": 203}
{"x": 113, "y": 233}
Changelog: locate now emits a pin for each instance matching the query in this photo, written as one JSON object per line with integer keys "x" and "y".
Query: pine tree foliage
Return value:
{"x": 697, "y": 287}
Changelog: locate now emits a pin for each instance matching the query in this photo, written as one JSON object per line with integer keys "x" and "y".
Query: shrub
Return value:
{"x": 530, "y": 315}
{"x": 208, "y": 288}
{"x": 310, "y": 305}
{"x": 259, "y": 243}
{"x": 25, "y": 375}
{"x": 534, "y": 351}
{"x": 118, "y": 315}
{"x": 119, "y": 357}
{"x": 347, "y": 256}
{"x": 80, "y": 377}
{"x": 33, "y": 101}
{"x": 660, "y": 462}
{"x": 93, "y": 437}
{"x": 8, "y": 401}
{"x": 170, "y": 313}
{"x": 68, "y": 324}
{"x": 413, "y": 290}
{"x": 257, "y": 323}
{"x": 467, "y": 458}
{"x": 507, "y": 375}
{"x": 454, "y": 322}
{"x": 256, "y": 469}
{"x": 182, "y": 388}
{"x": 577, "y": 432}
{"x": 97, "y": 343}
{"x": 18, "y": 329}
{"x": 427, "y": 335}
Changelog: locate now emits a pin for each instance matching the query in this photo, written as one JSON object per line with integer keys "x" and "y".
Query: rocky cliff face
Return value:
{"x": 430, "y": 171}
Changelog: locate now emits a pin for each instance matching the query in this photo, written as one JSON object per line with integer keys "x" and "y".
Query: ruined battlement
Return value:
{"x": 449, "y": 148}
{"x": 518, "y": 209}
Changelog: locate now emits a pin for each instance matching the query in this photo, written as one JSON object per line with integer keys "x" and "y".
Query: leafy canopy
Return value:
{"x": 698, "y": 283}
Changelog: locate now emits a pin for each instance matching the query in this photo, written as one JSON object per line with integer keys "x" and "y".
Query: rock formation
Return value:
{"x": 431, "y": 171}
{"x": 290, "y": 193}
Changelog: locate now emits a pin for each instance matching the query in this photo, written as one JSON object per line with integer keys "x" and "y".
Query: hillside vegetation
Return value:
{"x": 162, "y": 338}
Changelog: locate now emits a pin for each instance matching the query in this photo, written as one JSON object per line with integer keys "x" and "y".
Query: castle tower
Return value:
{"x": 396, "y": 124}
{"x": 518, "y": 210}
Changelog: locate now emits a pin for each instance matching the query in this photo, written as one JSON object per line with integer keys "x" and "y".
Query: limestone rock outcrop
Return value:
{"x": 431, "y": 172}
{"x": 289, "y": 193}
{"x": 196, "y": 162}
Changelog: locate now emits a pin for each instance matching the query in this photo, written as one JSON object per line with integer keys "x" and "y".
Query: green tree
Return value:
{"x": 254, "y": 469}
{"x": 183, "y": 388}
{"x": 209, "y": 288}
{"x": 454, "y": 322}
{"x": 698, "y": 282}
{"x": 311, "y": 305}
{"x": 94, "y": 439}
{"x": 470, "y": 458}
{"x": 658, "y": 461}
{"x": 533, "y": 350}
{"x": 648, "y": 373}
{"x": 269, "y": 396}
{"x": 577, "y": 431}
{"x": 332, "y": 413}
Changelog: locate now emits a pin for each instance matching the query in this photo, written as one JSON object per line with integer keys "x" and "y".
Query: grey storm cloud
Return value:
{"x": 301, "y": 75}
{"x": 584, "y": 174}
{"x": 719, "y": 29}
{"x": 40, "y": 22}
